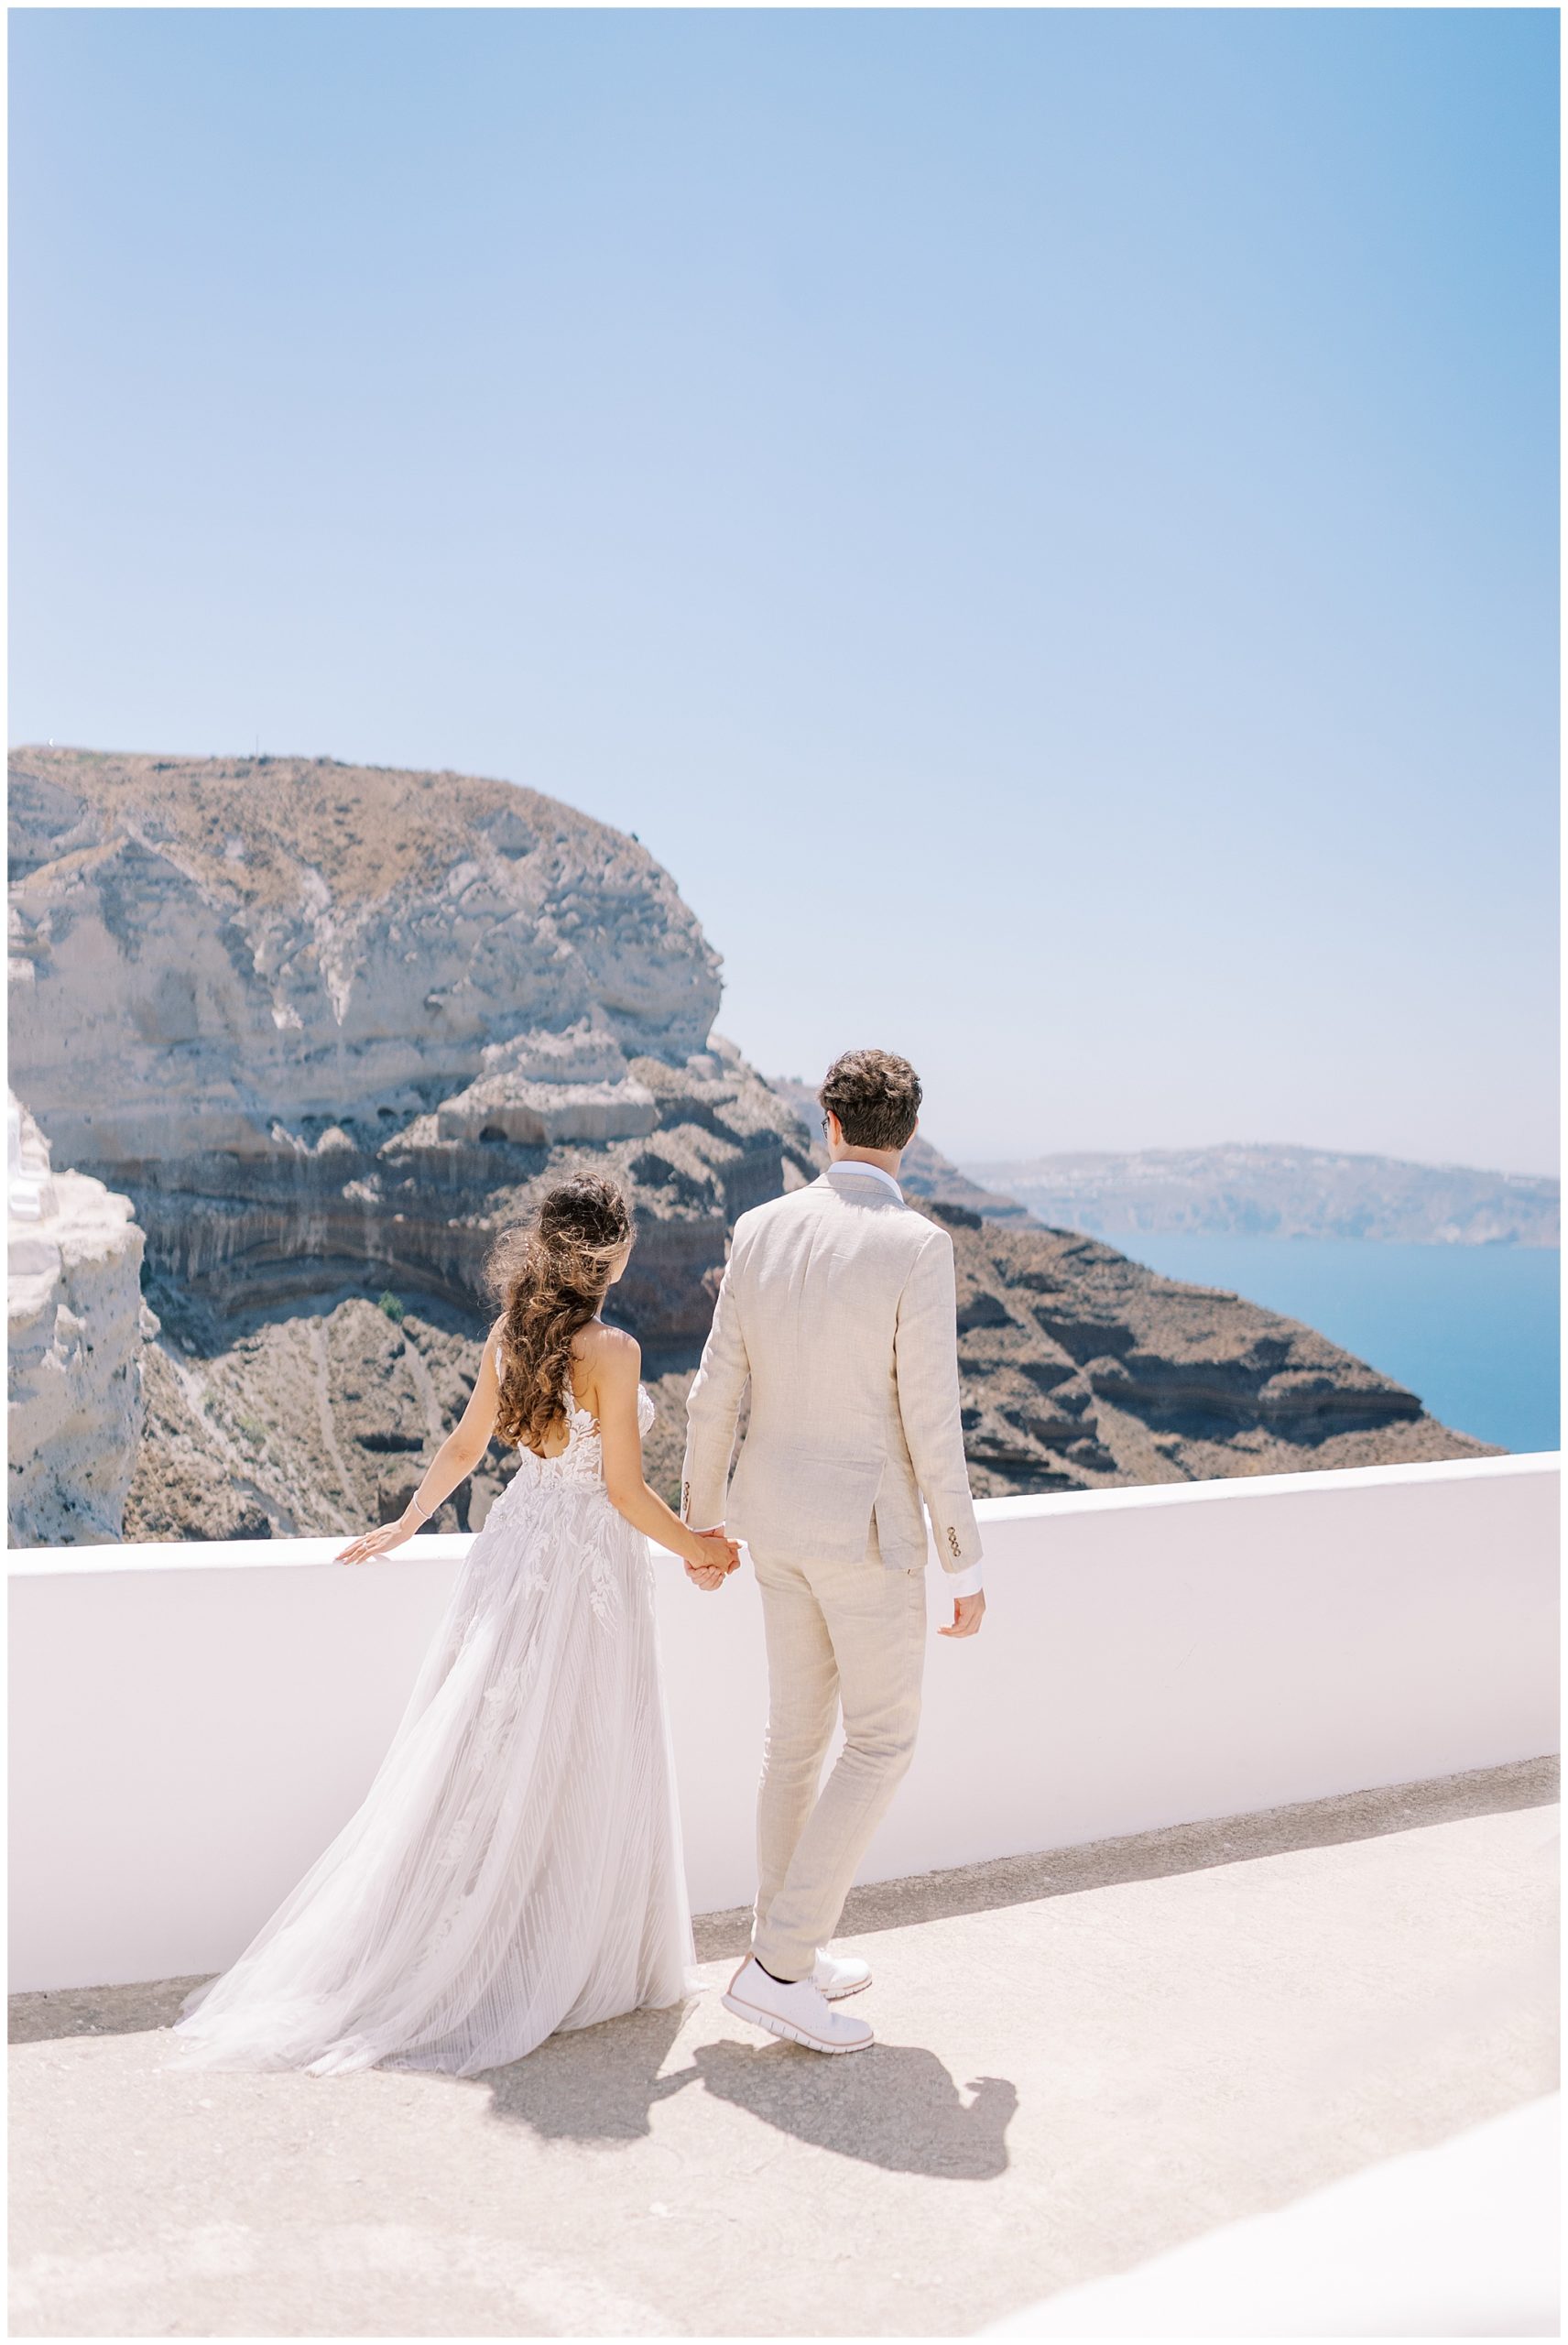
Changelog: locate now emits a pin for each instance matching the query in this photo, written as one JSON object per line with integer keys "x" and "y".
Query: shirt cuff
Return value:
{"x": 963, "y": 1582}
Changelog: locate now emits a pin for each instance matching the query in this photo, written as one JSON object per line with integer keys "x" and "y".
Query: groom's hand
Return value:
{"x": 725, "y": 1559}
{"x": 968, "y": 1611}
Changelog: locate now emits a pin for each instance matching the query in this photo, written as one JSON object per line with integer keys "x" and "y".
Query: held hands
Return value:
{"x": 968, "y": 1611}
{"x": 713, "y": 1559}
{"x": 381, "y": 1542}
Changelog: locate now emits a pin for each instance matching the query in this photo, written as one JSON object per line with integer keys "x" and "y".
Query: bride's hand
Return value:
{"x": 371, "y": 1543}
{"x": 718, "y": 1556}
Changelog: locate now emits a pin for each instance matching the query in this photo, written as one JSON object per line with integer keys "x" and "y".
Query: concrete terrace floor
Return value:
{"x": 1085, "y": 2057}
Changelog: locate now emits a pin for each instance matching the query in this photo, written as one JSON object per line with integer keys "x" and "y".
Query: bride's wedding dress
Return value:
{"x": 516, "y": 1867}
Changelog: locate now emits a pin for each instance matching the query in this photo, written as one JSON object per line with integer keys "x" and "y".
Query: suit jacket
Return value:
{"x": 838, "y": 1308}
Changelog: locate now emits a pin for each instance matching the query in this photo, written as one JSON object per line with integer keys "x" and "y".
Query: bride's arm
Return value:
{"x": 615, "y": 1366}
{"x": 456, "y": 1458}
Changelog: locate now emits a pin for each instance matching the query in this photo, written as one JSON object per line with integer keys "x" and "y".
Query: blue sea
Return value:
{"x": 1473, "y": 1329}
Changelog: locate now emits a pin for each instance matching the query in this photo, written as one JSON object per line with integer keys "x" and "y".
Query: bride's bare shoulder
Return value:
{"x": 608, "y": 1351}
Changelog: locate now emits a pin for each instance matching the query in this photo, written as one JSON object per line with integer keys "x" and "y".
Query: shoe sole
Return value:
{"x": 776, "y": 2026}
{"x": 837, "y": 1994}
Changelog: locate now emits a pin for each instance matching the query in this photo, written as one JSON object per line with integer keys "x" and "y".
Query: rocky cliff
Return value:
{"x": 233, "y": 956}
{"x": 76, "y": 1330}
{"x": 331, "y": 1025}
{"x": 1080, "y": 1370}
{"x": 328, "y": 1028}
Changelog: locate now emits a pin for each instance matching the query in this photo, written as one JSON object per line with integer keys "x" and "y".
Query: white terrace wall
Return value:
{"x": 190, "y": 1723}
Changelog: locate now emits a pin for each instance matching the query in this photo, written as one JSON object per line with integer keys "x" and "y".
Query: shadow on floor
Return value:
{"x": 98, "y": 2011}
{"x": 895, "y": 2106}
{"x": 1173, "y": 1849}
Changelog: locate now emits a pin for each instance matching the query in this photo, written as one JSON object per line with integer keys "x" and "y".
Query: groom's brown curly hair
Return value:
{"x": 875, "y": 1095}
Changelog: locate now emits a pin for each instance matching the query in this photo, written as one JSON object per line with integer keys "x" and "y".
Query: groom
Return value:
{"x": 837, "y": 1308}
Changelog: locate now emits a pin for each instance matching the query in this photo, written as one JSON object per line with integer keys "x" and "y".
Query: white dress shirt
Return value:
{"x": 872, "y": 1172}
{"x": 965, "y": 1582}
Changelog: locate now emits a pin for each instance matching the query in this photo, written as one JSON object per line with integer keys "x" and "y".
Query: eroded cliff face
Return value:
{"x": 76, "y": 1328}
{"x": 327, "y": 1030}
{"x": 234, "y": 955}
{"x": 327, "y": 1023}
{"x": 1082, "y": 1368}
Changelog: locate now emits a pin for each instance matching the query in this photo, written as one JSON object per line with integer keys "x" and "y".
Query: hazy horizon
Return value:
{"x": 1211, "y": 1147}
{"x": 1043, "y": 521}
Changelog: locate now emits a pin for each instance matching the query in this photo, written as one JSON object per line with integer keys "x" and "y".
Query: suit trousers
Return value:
{"x": 849, "y": 1634}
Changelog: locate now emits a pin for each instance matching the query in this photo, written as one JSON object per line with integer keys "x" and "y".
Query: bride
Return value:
{"x": 516, "y": 1867}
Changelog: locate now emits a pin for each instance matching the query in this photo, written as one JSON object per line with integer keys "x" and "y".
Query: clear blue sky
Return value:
{"x": 1044, "y": 521}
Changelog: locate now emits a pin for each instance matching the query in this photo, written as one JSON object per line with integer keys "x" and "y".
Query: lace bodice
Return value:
{"x": 583, "y": 1459}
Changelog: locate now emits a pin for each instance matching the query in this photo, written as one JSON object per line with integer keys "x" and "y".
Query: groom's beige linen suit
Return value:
{"x": 837, "y": 1308}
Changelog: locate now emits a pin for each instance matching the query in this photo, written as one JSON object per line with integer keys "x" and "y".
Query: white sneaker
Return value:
{"x": 838, "y": 1975}
{"x": 797, "y": 2011}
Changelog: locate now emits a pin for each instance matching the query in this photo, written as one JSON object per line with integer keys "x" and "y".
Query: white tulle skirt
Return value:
{"x": 516, "y": 1867}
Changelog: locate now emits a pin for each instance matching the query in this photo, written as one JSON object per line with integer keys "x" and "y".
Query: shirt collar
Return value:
{"x": 870, "y": 1172}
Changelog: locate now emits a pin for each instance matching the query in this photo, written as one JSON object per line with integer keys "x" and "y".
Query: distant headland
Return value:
{"x": 1260, "y": 1191}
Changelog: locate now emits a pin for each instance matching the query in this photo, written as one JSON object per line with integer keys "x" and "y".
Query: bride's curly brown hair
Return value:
{"x": 550, "y": 1277}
